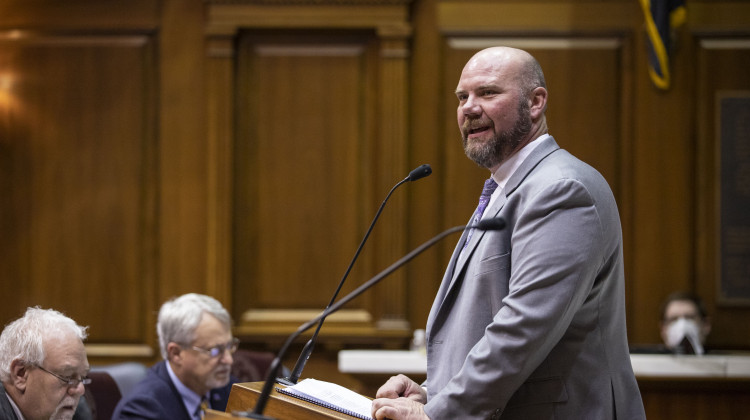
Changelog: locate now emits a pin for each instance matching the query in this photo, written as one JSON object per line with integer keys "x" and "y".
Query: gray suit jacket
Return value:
{"x": 530, "y": 322}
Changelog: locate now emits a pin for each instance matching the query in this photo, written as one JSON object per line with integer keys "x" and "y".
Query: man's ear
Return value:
{"x": 19, "y": 374}
{"x": 174, "y": 353}
{"x": 538, "y": 102}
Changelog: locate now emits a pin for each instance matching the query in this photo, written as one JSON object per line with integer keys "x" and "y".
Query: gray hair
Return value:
{"x": 23, "y": 339}
{"x": 179, "y": 317}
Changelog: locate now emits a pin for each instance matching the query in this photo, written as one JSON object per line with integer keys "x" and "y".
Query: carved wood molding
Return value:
{"x": 348, "y": 326}
{"x": 228, "y": 22}
{"x": 389, "y": 18}
{"x": 119, "y": 350}
{"x": 314, "y": 2}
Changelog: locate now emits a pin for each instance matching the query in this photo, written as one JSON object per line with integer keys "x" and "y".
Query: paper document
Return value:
{"x": 332, "y": 396}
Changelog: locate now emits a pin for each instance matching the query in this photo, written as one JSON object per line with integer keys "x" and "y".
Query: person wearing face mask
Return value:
{"x": 196, "y": 343}
{"x": 43, "y": 366}
{"x": 684, "y": 324}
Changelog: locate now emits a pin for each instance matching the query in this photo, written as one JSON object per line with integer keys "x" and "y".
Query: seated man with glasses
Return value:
{"x": 43, "y": 366}
{"x": 196, "y": 343}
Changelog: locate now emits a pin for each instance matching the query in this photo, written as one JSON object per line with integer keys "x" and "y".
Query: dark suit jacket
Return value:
{"x": 6, "y": 410}
{"x": 157, "y": 398}
{"x": 529, "y": 322}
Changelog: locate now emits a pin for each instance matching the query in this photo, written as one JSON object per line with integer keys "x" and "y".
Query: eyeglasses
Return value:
{"x": 219, "y": 350}
{"x": 69, "y": 381}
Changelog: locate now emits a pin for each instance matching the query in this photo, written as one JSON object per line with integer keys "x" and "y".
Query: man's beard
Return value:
{"x": 63, "y": 414}
{"x": 498, "y": 148}
{"x": 219, "y": 377}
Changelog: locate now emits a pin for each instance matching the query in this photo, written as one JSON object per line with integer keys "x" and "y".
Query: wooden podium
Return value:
{"x": 218, "y": 415}
{"x": 244, "y": 396}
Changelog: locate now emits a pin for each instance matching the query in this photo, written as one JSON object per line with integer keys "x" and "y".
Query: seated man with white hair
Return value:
{"x": 43, "y": 366}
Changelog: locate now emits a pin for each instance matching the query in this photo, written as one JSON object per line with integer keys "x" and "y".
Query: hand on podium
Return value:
{"x": 400, "y": 398}
{"x": 402, "y": 386}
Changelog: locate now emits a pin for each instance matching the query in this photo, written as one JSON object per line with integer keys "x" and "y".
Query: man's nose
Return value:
{"x": 226, "y": 357}
{"x": 471, "y": 107}
{"x": 78, "y": 390}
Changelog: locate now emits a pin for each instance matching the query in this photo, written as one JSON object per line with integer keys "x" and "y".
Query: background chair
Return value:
{"x": 252, "y": 366}
{"x": 108, "y": 385}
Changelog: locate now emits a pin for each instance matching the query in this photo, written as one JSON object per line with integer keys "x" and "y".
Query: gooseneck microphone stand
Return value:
{"x": 257, "y": 413}
{"x": 418, "y": 173}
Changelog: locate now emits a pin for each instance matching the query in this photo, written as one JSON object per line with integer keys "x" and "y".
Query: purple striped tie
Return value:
{"x": 489, "y": 187}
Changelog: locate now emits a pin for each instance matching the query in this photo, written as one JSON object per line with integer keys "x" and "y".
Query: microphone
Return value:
{"x": 260, "y": 405}
{"x": 496, "y": 223}
{"x": 418, "y": 173}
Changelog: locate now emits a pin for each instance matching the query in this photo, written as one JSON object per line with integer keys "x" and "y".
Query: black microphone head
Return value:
{"x": 420, "y": 172}
{"x": 496, "y": 223}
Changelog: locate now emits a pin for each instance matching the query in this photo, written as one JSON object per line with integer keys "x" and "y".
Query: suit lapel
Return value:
{"x": 161, "y": 371}
{"x": 458, "y": 262}
{"x": 448, "y": 278}
{"x": 478, "y": 235}
{"x": 455, "y": 272}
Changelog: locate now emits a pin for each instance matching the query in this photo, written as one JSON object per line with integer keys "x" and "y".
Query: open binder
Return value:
{"x": 280, "y": 405}
{"x": 332, "y": 396}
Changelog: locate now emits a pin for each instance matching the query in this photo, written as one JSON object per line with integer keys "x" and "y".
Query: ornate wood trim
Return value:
{"x": 314, "y": 2}
{"x": 389, "y": 20}
{"x": 119, "y": 350}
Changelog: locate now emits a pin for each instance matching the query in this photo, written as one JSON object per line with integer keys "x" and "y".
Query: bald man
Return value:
{"x": 529, "y": 322}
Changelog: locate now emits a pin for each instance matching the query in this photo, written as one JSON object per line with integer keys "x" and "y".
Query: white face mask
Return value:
{"x": 684, "y": 329}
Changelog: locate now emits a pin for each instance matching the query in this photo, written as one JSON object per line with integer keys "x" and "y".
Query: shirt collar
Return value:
{"x": 15, "y": 407}
{"x": 191, "y": 399}
{"x": 507, "y": 168}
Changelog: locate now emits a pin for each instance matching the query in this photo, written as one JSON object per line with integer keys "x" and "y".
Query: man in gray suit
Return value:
{"x": 529, "y": 322}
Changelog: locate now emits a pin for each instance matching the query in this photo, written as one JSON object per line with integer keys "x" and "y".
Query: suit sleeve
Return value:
{"x": 558, "y": 244}
{"x": 142, "y": 407}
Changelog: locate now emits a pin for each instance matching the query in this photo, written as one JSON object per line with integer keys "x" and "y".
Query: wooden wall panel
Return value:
{"x": 723, "y": 65}
{"x": 425, "y": 216}
{"x": 300, "y": 152}
{"x": 78, "y": 208}
{"x": 75, "y": 15}
{"x": 320, "y": 139}
{"x": 220, "y": 122}
{"x": 673, "y": 245}
{"x": 662, "y": 183}
{"x": 183, "y": 165}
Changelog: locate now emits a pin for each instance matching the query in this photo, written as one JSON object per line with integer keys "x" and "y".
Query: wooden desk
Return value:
{"x": 710, "y": 387}
{"x": 218, "y": 415}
